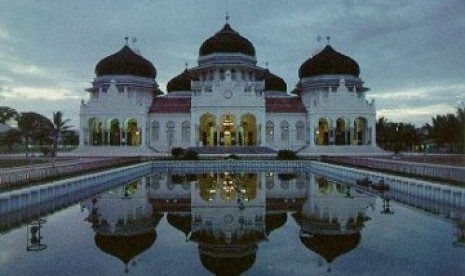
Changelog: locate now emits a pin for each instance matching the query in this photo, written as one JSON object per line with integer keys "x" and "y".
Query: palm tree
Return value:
{"x": 59, "y": 125}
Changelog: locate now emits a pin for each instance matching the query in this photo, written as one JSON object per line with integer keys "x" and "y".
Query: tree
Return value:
{"x": 461, "y": 121}
{"x": 396, "y": 136}
{"x": 446, "y": 129}
{"x": 70, "y": 138}
{"x": 11, "y": 138}
{"x": 381, "y": 134}
{"x": 34, "y": 128}
{"x": 6, "y": 114}
{"x": 59, "y": 125}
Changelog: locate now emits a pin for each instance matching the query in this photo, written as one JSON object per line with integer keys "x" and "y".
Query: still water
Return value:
{"x": 235, "y": 223}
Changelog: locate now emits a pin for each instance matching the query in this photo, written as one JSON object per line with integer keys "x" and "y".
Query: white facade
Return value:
{"x": 227, "y": 101}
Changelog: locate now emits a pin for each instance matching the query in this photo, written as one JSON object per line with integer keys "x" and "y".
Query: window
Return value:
{"x": 186, "y": 130}
{"x": 170, "y": 133}
{"x": 300, "y": 133}
{"x": 269, "y": 131}
{"x": 155, "y": 131}
{"x": 285, "y": 131}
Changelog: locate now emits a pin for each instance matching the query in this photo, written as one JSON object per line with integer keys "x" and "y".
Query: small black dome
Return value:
{"x": 329, "y": 62}
{"x": 181, "y": 82}
{"x": 273, "y": 82}
{"x": 227, "y": 41}
{"x": 125, "y": 62}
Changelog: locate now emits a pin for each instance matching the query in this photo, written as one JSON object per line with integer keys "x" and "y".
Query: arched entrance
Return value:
{"x": 342, "y": 132}
{"x": 322, "y": 131}
{"x": 95, "y": 132}
{"x": 248, "y": 130}
{"x": 132, "y": 132}
{"x": 207, "y": 130}
{"x": 360, "y": 131}
{"x": 112, "y": 128}
{"x": 228, "y": 130}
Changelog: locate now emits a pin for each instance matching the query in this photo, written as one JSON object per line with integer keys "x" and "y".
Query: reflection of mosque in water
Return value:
{"x": 228, "y": 215}
{"x": 123, "y": 220}
{"x": 331, "y": 218}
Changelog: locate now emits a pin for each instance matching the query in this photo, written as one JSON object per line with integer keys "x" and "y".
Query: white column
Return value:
{"x": 142, "y": 130}
{"x": 311, "y": 132}
{"x": 82, "y": 136}
{"x": 373, "y": 132}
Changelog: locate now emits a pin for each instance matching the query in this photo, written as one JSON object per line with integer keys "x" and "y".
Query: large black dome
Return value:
{"x": 125, "y": 62}
{"x": 227, "y": 41}
{"x": 181, "y": 82}
{"x": 273, "y": 82}
{"x": 329, "y": 62}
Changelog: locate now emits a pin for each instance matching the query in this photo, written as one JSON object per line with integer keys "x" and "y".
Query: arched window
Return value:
{"x": 284, "y": 131}
{"x": 155, "y": 131}
{"x": 300, "y": 133}
{"x": 186, "y": 131}
{"x": 170, "y": 133}
{"x": 269, "y": 131}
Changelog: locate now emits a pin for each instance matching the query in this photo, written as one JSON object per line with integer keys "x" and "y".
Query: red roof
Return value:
{"x": 284, "y": 105}
{"x": 171, "y": 105}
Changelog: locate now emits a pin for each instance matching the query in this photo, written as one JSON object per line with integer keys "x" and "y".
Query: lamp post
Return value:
{"x": 34, "y": 237}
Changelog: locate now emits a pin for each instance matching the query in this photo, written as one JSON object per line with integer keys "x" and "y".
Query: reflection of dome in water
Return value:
{"x": 274, "y": 221}
{"x": 227, "y": 265}
{"x": 331, "y": 246}
{"x": 227, "y": 257}
{"x": 125, "y": 247}
{"x": 180, "y": 222}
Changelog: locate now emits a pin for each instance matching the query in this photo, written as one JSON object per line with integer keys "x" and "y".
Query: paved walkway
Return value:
{"x": 233, "y": 150}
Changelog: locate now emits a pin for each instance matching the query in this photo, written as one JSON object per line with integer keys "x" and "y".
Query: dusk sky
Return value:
{"x": 411, "y": 53}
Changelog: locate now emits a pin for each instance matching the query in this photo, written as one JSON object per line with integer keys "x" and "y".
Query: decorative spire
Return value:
{"x": 126, "y": 38}
{"x": 227, "y": 17}
{"x": 328, "y": 38}
{"x": 187, "y": 65}
{"x": 266, "y": 65}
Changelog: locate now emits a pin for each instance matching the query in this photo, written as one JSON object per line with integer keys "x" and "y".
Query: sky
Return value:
{"x": 411, "y": 53}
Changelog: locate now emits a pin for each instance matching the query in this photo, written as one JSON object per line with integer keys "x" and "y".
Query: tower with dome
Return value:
{"x": 226, "y": 102}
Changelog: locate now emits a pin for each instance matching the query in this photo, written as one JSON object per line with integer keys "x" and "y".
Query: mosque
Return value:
{"x": 227, "y": 102}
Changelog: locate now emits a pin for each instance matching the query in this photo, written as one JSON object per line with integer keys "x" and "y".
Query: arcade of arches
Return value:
{"x": 228, "y": 130}
{"x": 112, "y": 132}
{"x": 228, "y": 186}
{"x": 342, "y": 132}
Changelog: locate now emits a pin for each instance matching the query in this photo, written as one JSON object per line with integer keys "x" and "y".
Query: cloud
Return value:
{"x": 4, "y": 34}
{"x": 37, "y": 93}
{"x": 415, "y": 115}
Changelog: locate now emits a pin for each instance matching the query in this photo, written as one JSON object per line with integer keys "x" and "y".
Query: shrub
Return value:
{"x": 191, "y": 155}
{"x": 286, "y": 176}
{"x": 232, "y": 157}
{"x": 177, "y": 153}
{"x": 286, "y": 155}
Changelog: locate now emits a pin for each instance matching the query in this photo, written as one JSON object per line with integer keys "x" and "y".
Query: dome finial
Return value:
{"x": 266, "y": 65}
{"x": 187, "y": 65}
{"x": 328, "y": 38}
{"x": 126, "y": 38}
{"x": 227, "y": 17}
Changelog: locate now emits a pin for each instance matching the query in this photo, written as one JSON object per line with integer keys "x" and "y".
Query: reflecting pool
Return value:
{"x": 233, "y": 223}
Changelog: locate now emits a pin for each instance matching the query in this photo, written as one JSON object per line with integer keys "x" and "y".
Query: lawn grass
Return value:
{"x": 10, "y": 163}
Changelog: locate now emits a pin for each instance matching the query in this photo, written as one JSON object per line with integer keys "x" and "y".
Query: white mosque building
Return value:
{"x": 227, "y": 102}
